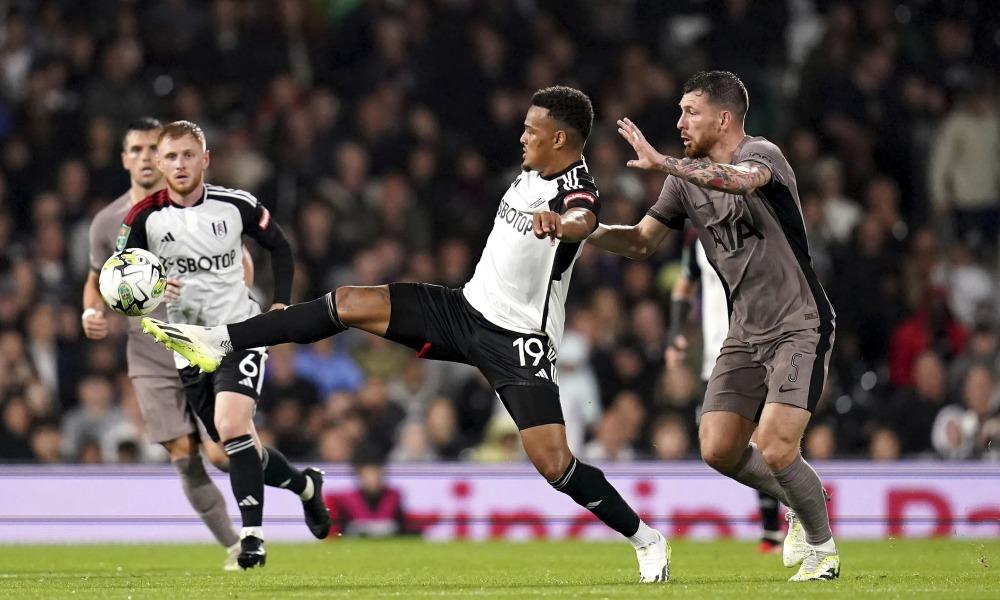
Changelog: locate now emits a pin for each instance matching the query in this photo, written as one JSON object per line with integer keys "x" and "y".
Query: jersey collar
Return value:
{"x": 564, "y": 171}
{"x": 736, "y": 151}
{"x": 204, "y": 191}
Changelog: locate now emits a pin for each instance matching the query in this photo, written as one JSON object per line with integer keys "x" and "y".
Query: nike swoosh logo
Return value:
{"x": 783, "y": 389}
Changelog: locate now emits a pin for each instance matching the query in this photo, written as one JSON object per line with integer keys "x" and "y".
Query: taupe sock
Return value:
{"x": 754, "y": 472}
{"x": 805, "y": 496}
{"x": 206, "y": 499}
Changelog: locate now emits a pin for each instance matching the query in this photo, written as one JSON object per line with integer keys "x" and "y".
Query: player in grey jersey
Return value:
{"x": 741, "y": 195}
{"x": 506, "y": 321}
{"x": 166, "y": 418}
{"x": 197, "y": 230}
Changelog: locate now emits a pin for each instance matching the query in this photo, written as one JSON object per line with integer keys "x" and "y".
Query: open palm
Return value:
{"x": 646, "y": 156}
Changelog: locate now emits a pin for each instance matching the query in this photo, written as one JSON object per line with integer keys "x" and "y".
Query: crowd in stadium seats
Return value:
{"x": 382, "y": 134}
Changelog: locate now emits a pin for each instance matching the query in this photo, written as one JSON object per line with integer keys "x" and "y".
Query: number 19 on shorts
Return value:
{"x": 530, "y": 353}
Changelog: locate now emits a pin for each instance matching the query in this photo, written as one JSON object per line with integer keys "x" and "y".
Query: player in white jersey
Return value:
{"x": 696, "y": 273}
{"x": 197, "y": 230}
{"x": 507, "y": 321}
{"x": 167, "y": 420}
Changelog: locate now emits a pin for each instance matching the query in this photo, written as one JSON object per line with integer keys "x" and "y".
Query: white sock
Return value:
{"x": 645, "y": 536}
{"x": 257, "y": 532}
{"x": 307, "y": 493}
{"x": 828, "y": 546}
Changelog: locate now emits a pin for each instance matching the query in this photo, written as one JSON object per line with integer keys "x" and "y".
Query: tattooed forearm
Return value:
{"x": 734, "y": 179}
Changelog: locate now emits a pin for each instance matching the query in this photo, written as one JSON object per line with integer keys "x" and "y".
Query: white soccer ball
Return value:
{"x": 132, "y": 282}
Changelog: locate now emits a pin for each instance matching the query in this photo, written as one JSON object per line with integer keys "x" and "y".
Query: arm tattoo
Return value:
{"x": 702, "y": 172}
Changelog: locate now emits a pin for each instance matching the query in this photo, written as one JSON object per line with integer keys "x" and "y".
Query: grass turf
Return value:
{"x": 412, "y": 569}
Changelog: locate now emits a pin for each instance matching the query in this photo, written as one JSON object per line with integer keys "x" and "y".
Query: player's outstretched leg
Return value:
{"x": 589, "y": 488}
{"x": 302, "y": 323}
{"x": 308, "y": 484}
{"x": 544, "y": 441}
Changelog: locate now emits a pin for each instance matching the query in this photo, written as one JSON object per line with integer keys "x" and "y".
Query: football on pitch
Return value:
{"x": 132, "y": 282}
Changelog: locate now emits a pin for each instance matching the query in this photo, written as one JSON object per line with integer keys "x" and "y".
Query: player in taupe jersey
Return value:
{"x": 742, "y": 199}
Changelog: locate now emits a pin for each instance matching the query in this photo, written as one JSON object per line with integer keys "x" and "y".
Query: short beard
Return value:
{"x": 694, "y": 151}
{"x": 187, "y": 190}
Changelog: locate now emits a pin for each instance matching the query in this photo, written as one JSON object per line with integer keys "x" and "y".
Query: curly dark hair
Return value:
{"x": 723, "y": 88}
{"x": 568, "y": 106}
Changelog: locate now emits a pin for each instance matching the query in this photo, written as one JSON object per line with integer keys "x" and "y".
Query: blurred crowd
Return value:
{"x": 382, "y": 134}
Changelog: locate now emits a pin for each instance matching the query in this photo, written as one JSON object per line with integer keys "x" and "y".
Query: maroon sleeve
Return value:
{"x": 132, "y": 233}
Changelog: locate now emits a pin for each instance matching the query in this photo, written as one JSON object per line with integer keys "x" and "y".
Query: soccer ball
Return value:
{"x": 132, "y": 282}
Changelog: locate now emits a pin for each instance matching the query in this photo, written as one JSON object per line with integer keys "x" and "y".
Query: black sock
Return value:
{"x": 302, "y": 323}
{"x": 588, "y": 487}
{"x": 279, "y": 473}
{"x": 768, "y": 514}
{"x": 247, "y": 478}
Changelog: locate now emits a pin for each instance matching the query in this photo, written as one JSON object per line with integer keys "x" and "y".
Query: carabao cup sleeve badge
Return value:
{"x": 123, "y": 232}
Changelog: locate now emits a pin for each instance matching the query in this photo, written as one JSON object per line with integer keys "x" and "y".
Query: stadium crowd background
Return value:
{"x": 382, "y": 135}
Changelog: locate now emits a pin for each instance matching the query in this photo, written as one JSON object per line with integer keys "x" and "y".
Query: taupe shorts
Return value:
{"x": 164, "y": 408}
{"x": 790, "y": 369}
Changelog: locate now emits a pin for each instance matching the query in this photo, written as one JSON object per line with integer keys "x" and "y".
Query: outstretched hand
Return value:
{"x": 646, "y": 156}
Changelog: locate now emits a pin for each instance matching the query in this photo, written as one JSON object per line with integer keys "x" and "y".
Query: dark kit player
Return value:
{"x": 197, "y": 230}
{"x": 741, "y": 196}
{"x": 507, "y": 320}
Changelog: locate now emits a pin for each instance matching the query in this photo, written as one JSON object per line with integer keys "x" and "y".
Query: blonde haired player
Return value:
{"x": 158, "y": 390}
{"x": 197, "y": 230}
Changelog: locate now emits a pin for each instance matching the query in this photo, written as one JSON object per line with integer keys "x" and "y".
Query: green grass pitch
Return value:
{"x": 414, "y": 569}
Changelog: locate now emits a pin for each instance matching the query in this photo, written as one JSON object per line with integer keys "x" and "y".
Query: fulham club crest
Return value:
{"x": 219, "y": 229}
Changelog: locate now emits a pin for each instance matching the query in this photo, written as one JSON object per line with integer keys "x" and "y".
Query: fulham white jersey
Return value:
{"x": 714, "y": 305}
{"x": 521, "y": 281}
{"x": 202, "y": 247}
{"x": 714, "y": 313}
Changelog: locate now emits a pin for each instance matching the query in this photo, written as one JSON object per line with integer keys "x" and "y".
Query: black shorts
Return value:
{"x": 440, "y": 324}
{"x": 241, "y": 372}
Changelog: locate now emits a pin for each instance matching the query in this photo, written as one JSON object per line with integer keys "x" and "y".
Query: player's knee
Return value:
{"x": 778, "y": 453}
{"x": 720, "y": 457}
{"x": 182, "y": 447}
{"x": 346, "y": 298}
{"x": 229, "y": 427}
{"x": 553, "y": 464}
{"x": 356, "y": 305}
{"x": 192, "y": 469}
